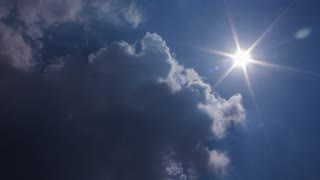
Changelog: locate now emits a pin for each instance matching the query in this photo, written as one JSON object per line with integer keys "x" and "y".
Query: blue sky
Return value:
{"x": 279, "y": 139}
{"x": 106, "y": 89}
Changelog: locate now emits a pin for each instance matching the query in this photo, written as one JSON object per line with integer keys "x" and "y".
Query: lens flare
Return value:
{"x": 241, "y": 58}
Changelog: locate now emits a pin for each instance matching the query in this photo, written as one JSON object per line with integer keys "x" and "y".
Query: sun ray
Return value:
{"x": 251, "y": 91}
{"x": 225, "y": 75}
{"x": 277, "y": 66}
{"x": 233, "y": 28}
{"x": 249, "y": 85}
{"x": 217, "y": 52}
{"x": 242, "y": 58}
{"x": 269, "y": 28}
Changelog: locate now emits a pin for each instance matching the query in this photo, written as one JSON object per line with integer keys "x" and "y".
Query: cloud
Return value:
{"x": 224, "y": 112}
{"x": 39, "y": 14}
{"x": 13, "y": 46}
{"x": 5, "y": 8}
{"x": 155, "y": 65}
{"x": 118, "y": 11}
{"x": 118, "y": 114}
{"x": 218, "y": 161}
{"x": 29, "y": 20}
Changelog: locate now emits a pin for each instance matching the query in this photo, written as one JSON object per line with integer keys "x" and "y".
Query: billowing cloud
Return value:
{"x": 119, "y": 114}
{"x": 223, "y": 112}
{"x": 155, "y": 65}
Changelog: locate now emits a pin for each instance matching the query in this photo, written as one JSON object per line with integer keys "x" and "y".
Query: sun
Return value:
{"x": 241, "y": 58}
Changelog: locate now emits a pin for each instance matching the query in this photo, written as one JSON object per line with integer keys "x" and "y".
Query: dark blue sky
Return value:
{"x": 53, "y": 56}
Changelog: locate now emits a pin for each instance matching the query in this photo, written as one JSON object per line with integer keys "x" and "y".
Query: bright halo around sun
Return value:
{"x": 241, "y": 58}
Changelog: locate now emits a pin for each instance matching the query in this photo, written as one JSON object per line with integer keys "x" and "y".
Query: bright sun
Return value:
{"x": 241, "y": 58}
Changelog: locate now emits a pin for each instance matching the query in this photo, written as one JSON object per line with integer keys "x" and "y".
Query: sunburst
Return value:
{"x": 242, "y": 58}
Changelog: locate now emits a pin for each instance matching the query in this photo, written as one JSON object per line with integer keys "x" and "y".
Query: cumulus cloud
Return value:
{"x": 156, "y": 64}
{"x": 118, "y": 11}
{"x": 118, "y": 114}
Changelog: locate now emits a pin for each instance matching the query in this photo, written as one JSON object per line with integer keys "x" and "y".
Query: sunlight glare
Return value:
{"x": 241, "y": 58}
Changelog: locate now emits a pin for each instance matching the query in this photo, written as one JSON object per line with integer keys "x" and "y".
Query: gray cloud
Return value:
{"x": 158, "y": 65}
{"x": 5, "y": 8}
{"x": 35, "y": 16}
{"x": 118, "y": 11}
{"x": 14, "y": 47}
{"x": 38, "y": 15}
{"x": 118, "y": 114}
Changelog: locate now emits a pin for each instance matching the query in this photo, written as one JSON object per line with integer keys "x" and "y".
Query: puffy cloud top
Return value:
{"x": 155, "y": 65}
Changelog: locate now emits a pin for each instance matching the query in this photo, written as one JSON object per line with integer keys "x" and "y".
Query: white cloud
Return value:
{"x": 173, "y": 168}
{"x": 218, "y": 161}
{"x": 223, "y": 112}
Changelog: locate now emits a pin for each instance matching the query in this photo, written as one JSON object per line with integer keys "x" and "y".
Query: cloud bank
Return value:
{"x": 123, "y": 112}
{"x": 118, "y": 114}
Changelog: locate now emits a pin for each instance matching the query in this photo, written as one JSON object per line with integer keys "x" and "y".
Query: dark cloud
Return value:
{"x": 119, "y": 114}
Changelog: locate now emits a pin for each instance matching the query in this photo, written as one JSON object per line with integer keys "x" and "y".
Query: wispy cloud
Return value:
{"x": 119, "y": 12}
